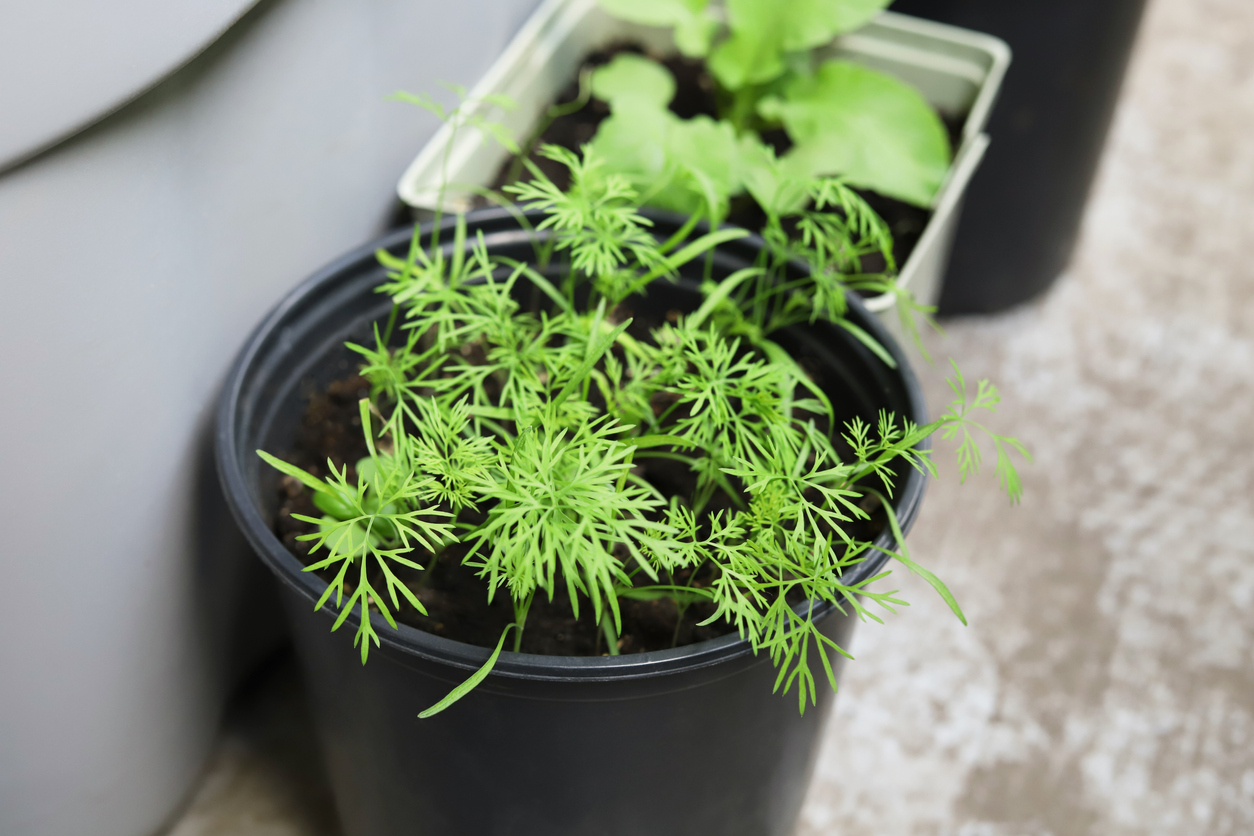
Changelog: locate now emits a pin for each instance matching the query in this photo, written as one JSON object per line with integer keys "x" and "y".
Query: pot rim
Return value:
{"x": 410, "y": 641}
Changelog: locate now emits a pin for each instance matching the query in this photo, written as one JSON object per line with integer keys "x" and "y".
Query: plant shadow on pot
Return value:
{"x": 688, "y": 740}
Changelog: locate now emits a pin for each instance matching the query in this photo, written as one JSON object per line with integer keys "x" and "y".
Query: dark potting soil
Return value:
{"x": 695, "y": 95}
{"x": 456, "y": 599}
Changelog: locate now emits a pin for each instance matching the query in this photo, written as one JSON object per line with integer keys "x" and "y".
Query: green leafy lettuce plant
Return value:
{"x": 850, "y": 128}
{"x": 523, "y": 436}
{"x": 842, "y": 118}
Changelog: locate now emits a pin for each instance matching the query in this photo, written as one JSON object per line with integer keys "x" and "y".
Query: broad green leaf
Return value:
{"x": 811, "y": 23}
{"x": 754, "y": 53}
{"x": 346, "y": 539}
{"x": 875, "y": 131}
{"x": 332, "y": 503}
{"x": 706, "y": 155}
{"x": 369, "y": 470}
{"x": 779, "y": 185}
{"x": 469, "y": 685}
{"x": 764, "y": 31}
{"x": 685, "y": 165}
{"x": 633, "y": 79}
{"x": 632, "y": 141}
{"x": 653, "y": 12}
{"x": 693, "y": 27}
{"x": 694, "y": 34}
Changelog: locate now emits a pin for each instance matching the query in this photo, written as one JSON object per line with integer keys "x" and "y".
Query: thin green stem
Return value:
{"x": 611, "y": 635}
{"x": 743, "y": 111}
{"x": 550, "y": 116}
{"x": 453, "y": 125}
{"x": 387, "y": 332}
{"x": 520, "y": 619}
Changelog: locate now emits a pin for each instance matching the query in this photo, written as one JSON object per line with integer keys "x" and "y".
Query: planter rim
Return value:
{"x": 410, "y": 641}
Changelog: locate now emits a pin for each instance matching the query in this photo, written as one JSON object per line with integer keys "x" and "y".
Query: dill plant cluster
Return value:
{"x": 520, "y": 435}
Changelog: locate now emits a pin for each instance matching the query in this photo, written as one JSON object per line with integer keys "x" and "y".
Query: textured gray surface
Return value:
{"x": 66, "y": 63}
{"x": 1104, "y": 686}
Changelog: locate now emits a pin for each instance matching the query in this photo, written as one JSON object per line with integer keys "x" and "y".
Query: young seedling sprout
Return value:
{"x": 531, "y": 454}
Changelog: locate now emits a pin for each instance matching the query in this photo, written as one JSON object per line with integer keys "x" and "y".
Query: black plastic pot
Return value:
{"x": 1022, "y": 211}
{"x": 686, "y": 741}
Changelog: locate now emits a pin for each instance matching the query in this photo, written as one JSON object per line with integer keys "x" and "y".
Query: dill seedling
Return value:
{"x": 531, "y": 452}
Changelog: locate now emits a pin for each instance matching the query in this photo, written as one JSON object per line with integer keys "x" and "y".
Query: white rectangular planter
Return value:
{"x": 957, "y": 70}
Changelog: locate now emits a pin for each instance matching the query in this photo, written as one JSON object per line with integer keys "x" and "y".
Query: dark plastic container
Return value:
{"x": 1022, "y": 211}
{"x": 685, "y": 741}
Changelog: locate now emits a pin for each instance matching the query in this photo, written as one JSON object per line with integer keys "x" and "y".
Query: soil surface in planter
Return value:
{"x": 456, "y": 599}
{"x": 694, "y": 96}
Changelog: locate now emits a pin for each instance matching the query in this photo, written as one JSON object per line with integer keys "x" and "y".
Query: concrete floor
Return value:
{"x": 1105, "y": 685}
